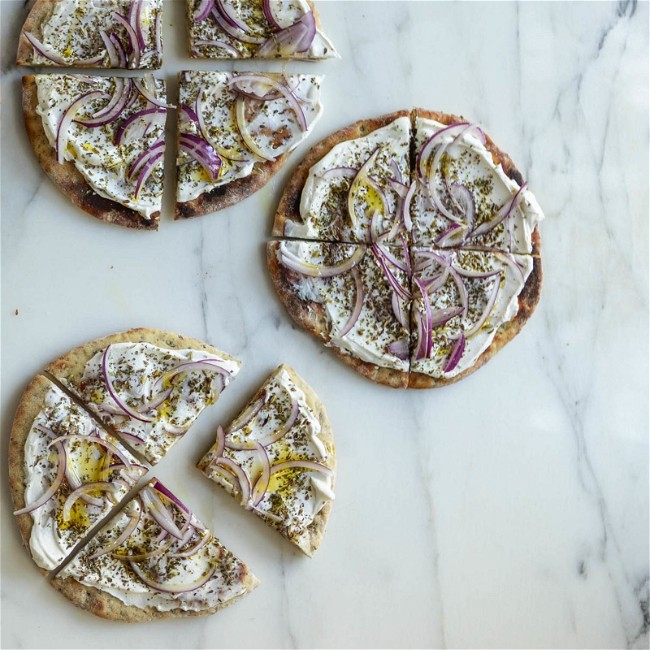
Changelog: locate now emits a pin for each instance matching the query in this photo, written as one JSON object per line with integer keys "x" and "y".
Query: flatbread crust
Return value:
{"x": 289, "y": 208}
{"x": 528, "y": 299}
{"x": 104, "y": 605}
{"x": 70, "y": 367}
{"x": 31, "y": 404}
{"x": 311, "y": 316}
{"x": 68, "y": 178}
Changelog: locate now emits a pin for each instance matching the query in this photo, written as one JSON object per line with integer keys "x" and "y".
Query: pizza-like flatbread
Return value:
{"x": 278, "y": 457}
{"x": 359, "y": 306}
{"x": 148, "y": 386}
{"x": 466, "y": 306}
{"x": 65, "y": 472}
{"x": 284, "y": 29}
{"x": 154, "y": 560}
{"x": 89, "y": 34}
{"x": 230, "y": 144}
{"x": 116, "y": 183}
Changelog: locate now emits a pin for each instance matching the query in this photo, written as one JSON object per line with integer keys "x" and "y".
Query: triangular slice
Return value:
{"x": 353, "y": 186}
{"x": 278, "y": 457}
{"x": 466, "y": 306}
{"x": 101, "y": 141}
{"x": 65, "y": 473}
{"x": 235, "y": 130}
{"x": 93, "y": 34}
{"x": 154, "y": 560}
{"x": 148, "y": 385}
{"x": 257, "y": 29}
{"x": 469, "y": 193}
{"x": 356, "y": 299}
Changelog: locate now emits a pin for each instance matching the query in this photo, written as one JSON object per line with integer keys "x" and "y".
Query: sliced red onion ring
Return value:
{"x": 95, "y": 441}
{"x": 236, "y": 33}
{"x": 203, "y": 10}
{"x": 391, "y": 259}
{"x": 47, "y": 52}
{"x": 357, "y": 183}
{"x": 241, "y": 478}
{"x": 189, "y": 115}
{"x": 464, "y": 200}
{"x": 134, "y": 519}
{"x": 436, "y": 282}
{"x": 441, "y": 317}
{"x": 97, "y": 486}
{"x": 301, "y": 464}
{"x": 149, "y": 96}
{"x": 132, "y": 437}
{"x": 462, "y": 290}
{"x": 358, "y": 303}
{"x": 398, "y": 309}
{"x": 406, "y": 207}
{"x": 221, "y": 442}
{"x": 399, "y": 188}
{"x": 295, "y": 39}
{"x": 293, "y": 262}
{"x": 171, "y": 496}
{"x": 171, "y": 588}
{"x": 155, "y": 401}
{"x": 46, "y": 430}
{"x": 262, "y": 483}
{"x": 392, "y": 280}
{"x": 114, "y": 108}
{"x": 399, "y": 349}
{"x": 147, "y": 170}
{"x": 428, "y": 147}
{"x": 220, "y": 44}
{"x": 56, "y": 483}
{"x": 201, "y": 151}
{"x": 131, "y": 412}
{"x": 195, "y": 548}
{"x": 453, "y": 236}
{"x": 141, "y": 557}
{"x": 230, "y": 16}
{"x": 455, "y": 355}
{"x": 339, "y": 172}
{"x": 113, "y": 55}
{"x": 119, "y": 49}
{"x": 151, "y": 115}
{"x": 480, "y": 275}
{"x": 503, "y": 213}
{"x": 133, "y": 39}
{"x": 286, "y": 427}
{"x": 248, "y": 415}
{"x": 268, "y": 14}
{"x": 210, "y": 364}
{"x": 62, "y": 133}
{"x": 142, "y": 160}
{"x": 426, "y": 344}
{"x": 158, "y": 33}
{"x": 135, "y": 18}
{"x": 397, "y": 172}
{"x": 487, "y": 311}
{"x": 240, "y": 116}
{"x": 156, "y": 508}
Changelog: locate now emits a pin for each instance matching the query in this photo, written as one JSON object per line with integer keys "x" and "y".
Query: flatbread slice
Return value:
{"x": 466, "y": 306}
{"x": 235, "y": 131}
{"x": 65, "y": 472}
{"x": 219, "y": 29}
{"x": 353, "y": 298}
{"x": 278, "y": 458}
{"x": 371, "y": 160}
{"x": 83, "y": 34}
{"x": 154, "y": 560}
{"x": 468, "y": 192}
{"x": 116, "y": 183}
{"x": 147, "y": 385}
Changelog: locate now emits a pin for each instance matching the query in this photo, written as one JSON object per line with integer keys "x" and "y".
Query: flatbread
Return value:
{"x": 311, "y": 316}
{"x": 312, "y": 537}
{"x": 289, "y": 207}
{"x": 68, "y": 178}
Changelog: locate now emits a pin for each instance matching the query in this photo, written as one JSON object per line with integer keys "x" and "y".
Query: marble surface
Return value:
{"x": 509, "y": 510}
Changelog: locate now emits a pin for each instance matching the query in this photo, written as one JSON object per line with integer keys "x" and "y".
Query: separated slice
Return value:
{"x": 278, "y": 458}
{"x": 93, "y": 34}
{"x": 148, "y": 385}
{"x": 101, "y": 141}
{"x": 154, "y": 560}
{"x": 356, "y": 299}
{"x": 235, "y": 130}
{"x": 65, "y": 473}
{"x": 466, "y": 306}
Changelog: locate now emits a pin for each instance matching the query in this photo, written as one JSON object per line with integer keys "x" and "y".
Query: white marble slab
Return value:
{"x": 509, "y": 510}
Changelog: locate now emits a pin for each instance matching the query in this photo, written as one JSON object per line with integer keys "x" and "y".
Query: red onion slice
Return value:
{"x": 149, "y": 96}
{"x": 203, "y": 10}
{"x": 171, "y": 496}
{"x": 171, "y": 588}
{"x": 95, "y": 440}
{"x": 133, "y": 39}
{"x": 196, "y": 548}
{"x": 455, "y": 355}
{"x": 147, "y": 170}
{"x": 114, "y": 108}
{"x": 406, "y": 207}
{"x": 156, "y": 508}
{"x": 262, "y": 483}
{"x": 47, "y": 52}
{"x": 241, "y": 478}
{"x": 132, "y": 437}
{"x": 62, "y": 133}
{"x": 358, "y": 303}
{"x": 142, "y": 159}
{"x": 247, "y": 416}
{"x": 235, "y": 32}
{"x": 220, "y": 44}
{"x": 131, "y": 412}
{"x": 462, "y": 290}
{"x": 120, "y": 51}
{"x": 221, "y": 442}
{"x": 295, "y": 39}
{"x": 480, "y": 275}
{"x": 392, "y": 280}
{"x": 339, "y": 172}
{"x": 436, "y": 282}
{"x": 426, "y": 344}
{"x": 135, "y": 18}
{"x": 97, "y": 486}
{"x": 426, "y": 150}
{"x": 134, "y": 519}
{"x": 487, "y": 311}
{"x": 230, "y": 16}
{"x": 396, "y": 303}
{"x": 357, "y": 183}
{"x": 293, "y": 262}
{"x": 464, "y": 200}
{"x": 453, "y": 236}
{"x": 503, "y": 213}
{"x": 203, "y": 153}
{"x": 158, "y": 33}
{"x": 397, "y": 172}
{"x": 391, "y": 259}
{"x": 400, "y": 349}
{"x": 141, "y": 557}
{"x": 113, "y": 55}
{"x": 56, "y": 483}
{"x": 268, "y": 14}
{"x": 307, "y": 465}
{"x": 286, "y": 427}
{"x": 441, "y": 317}
{"x": 150, "y": 115}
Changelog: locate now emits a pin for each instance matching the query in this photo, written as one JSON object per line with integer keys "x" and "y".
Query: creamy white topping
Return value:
{"x": 513, "y": 273}
{"x": 377, "y": 326}
{"x": 249, "y": 14}
{"x": 469, "y": 162}
{"x": 294, "y": 496}
{"x": 52, "y": 538}
{"x": 116, "y": 576}
{"x": 72, "y": 31}
{"x": 140, "y": 374}
{"x": 272, "y": 125}
{"x": 102, "y": 162}
{"x": 323, "y": 205}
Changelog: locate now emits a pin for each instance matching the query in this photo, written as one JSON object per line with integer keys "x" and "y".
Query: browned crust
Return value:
{"x": 68, "y": 178}
{"x": 69, "y": 368}
{"x": 296, "y": 57}
{"x": 528, "y": 299}
{"x": 289, "y": 207}
{"x": 30, "y": 405}
{"x": 106, "y": 606}
{"x": 311, "y": 317}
